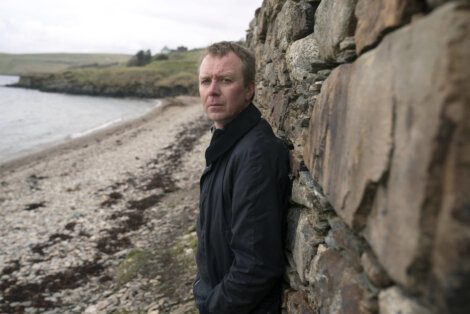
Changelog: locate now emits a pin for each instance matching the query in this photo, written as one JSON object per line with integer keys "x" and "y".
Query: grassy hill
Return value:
{"x": 18, "y": 64}
{"x": 173, "y": 75}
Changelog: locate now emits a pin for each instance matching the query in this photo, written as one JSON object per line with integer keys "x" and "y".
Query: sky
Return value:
{"x": 120, "y": 26}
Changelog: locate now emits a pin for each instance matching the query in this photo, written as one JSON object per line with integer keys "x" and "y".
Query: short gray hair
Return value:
{"x": 224, "y": 47}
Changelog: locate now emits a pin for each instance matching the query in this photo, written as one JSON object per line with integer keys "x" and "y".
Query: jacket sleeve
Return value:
{"x": 258, "y": 201}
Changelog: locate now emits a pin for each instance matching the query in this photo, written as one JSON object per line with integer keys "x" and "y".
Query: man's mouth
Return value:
{"x": 214, "y": 105}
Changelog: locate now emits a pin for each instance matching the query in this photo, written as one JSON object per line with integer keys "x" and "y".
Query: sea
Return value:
{"x": 32, "y": 120}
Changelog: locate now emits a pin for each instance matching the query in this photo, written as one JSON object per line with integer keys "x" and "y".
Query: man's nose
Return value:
{"x": 214, "y": 88}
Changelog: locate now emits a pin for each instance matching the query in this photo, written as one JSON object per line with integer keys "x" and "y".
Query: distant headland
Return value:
{"x": 166, "y": 74}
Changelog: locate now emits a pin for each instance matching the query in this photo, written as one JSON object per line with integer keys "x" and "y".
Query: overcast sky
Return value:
{"x": 123, "y": 26}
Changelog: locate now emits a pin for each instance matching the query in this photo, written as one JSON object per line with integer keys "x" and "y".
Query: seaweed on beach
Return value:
{"x": 171, "y": 158}
{"x": 113, "y": 199}
{"x": 145, "y": 203}
{"x": 53, "y": 239}
{"x": 113, "y": 241}
{"x": 34, "y": 206}
{"x": 33, "y": 181}
{"x": 34, "y": 292}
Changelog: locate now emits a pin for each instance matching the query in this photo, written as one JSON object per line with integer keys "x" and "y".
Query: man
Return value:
{"x": 244, "y": 190}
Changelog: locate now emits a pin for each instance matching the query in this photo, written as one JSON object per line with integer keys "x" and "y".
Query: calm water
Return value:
{"x": 31, "y": 119}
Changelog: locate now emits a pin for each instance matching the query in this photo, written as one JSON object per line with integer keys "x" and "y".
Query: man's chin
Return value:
{"x": 216, "y": 116}
{"x": 219, "y": 121}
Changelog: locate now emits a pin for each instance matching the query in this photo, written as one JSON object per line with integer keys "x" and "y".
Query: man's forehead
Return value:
{"x": 226, "y": 64}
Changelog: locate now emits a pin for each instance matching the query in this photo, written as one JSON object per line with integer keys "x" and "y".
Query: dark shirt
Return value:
{"x": 244, "y": 194}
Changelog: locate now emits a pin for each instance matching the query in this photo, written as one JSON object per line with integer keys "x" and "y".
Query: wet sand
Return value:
{"x": 74, "y": 217}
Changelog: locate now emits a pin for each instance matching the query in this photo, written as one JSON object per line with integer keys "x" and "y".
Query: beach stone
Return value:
{"x": 377, "y": 17}
{"x": 91, "y": 309}
{"x": 335, "y": 22}
{"x": 102, "y": 305}
{"x": 392, "y": 301}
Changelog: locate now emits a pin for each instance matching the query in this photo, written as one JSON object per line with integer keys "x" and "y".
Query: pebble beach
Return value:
{"x": 106, "y": 223}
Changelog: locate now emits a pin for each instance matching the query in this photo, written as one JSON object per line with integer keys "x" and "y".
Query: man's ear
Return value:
{"x": 250, "y": 92}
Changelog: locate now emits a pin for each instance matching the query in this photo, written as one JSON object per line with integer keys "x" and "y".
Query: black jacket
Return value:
{"x": 243, "y": 200}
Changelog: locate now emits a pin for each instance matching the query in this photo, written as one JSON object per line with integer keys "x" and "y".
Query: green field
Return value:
{"x": 18, "y": 64}
{"x": 175, "y": 73}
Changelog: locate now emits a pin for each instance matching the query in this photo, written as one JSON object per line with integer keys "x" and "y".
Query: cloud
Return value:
{"x": 119, "y": 25}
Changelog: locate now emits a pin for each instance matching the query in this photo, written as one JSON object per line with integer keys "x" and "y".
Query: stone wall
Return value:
{"x": 373, "y": 97}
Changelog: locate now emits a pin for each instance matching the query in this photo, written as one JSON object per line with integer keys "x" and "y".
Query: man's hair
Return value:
{"x": 222, "y": 48}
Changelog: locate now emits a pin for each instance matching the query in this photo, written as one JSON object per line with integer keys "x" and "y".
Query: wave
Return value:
{"x": 100, "y": 127}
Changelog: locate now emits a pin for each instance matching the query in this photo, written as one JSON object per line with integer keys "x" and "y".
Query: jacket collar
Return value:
{"x": 223, "y": 140}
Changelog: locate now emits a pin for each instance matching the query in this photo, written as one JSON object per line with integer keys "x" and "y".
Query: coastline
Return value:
{"x": 105, "y": 222}
{"x": 72, "y": 143}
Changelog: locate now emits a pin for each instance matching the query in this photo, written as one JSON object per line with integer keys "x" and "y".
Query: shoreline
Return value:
{"x": 105, "y": 223}
{"x": 62, "y": 146}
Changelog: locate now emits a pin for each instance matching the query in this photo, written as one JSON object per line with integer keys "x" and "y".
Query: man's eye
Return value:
{"x": 226, "y": 81}
{"x": 205, "y": 82}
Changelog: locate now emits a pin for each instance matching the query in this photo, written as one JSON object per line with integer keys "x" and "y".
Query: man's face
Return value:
{"x": 221, "y": 87}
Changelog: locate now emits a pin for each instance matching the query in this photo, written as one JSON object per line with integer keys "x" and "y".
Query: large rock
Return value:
{"x": 393, "y": 300}
{"x": 306, "y": 193}
{"x": 451, "y": 256}
{"x": 303, "y": 61}
{"x": 350, "y": 136}
{"x": 278, "y": 107}
{"x": 436, "y": 3}
{"x": 297, "y": 303}
{"x": 374, "y": 270}
{"x": 260, "y": 36}
{"x": 427, "y": 173}
{"x": 294, "y": 21}
{"x": 264, "y": 16}
{"x": 339, "y": 287}
{"x": 342, "y": 238}
{"x": 381, "y": 136}
{"x": 306, "y": 230}
{"x": 334, "y": 23}
{"x": 376, "y": 17}
{"x": 275, "y": 71}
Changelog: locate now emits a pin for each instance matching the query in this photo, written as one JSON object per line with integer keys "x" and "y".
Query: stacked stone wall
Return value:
{"x": 373, "y": 98}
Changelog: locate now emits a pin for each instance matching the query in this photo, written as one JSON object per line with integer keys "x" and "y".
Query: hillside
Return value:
{"x": 175, "y": 74}
{"x": 18, "y": 64}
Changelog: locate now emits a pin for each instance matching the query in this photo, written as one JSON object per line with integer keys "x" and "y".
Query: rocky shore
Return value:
{"x": 68, "y": 84}
{"x": 105, "y": 224}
